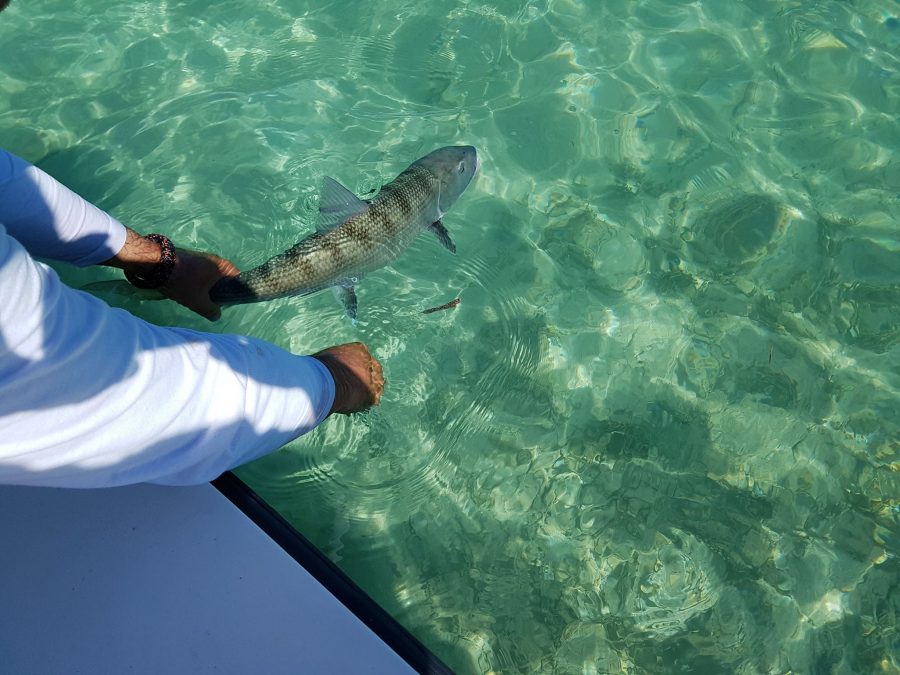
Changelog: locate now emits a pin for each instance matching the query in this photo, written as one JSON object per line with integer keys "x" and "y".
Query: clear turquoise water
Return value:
{"x": 660, "y": 433}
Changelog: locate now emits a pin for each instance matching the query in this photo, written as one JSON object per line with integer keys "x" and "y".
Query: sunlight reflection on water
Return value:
{"x": 659, "y": 432}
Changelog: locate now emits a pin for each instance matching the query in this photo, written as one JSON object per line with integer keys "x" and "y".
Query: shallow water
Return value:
{"x": 660, "y": 431}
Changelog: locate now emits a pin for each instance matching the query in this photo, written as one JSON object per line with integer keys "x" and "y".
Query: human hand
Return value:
{"x": 358, "y": 377}
{"x": 193, "y": 276}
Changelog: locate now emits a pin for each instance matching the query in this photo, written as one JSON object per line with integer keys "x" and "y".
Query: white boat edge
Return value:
{"x": 151, "y": 579}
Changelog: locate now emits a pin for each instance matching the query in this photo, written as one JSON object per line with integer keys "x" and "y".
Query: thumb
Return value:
{"x": 204, "y": 306}
{"x": 213, "y": 314}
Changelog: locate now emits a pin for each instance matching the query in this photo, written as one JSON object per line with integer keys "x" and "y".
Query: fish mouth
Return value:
{"x": 473, "y": 152}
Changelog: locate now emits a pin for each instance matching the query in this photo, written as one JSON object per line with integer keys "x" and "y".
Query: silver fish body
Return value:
{"x": 355, "y": 237}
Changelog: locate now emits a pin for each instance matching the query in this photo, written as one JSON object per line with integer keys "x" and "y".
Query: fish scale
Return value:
{"x": 371, "y": 236}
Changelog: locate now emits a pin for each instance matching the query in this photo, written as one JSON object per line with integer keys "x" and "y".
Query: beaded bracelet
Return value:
{"x": 159, "y": 274}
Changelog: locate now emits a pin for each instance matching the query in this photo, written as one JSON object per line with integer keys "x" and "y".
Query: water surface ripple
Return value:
{"x": 659, "y": 434}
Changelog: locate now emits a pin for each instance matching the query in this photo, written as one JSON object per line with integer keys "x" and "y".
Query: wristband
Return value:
{"x": 158, "y": 274}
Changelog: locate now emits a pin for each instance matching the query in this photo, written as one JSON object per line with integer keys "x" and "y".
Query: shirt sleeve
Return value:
{"x": 50, "y": 220}
{"x": 92, "y": 396}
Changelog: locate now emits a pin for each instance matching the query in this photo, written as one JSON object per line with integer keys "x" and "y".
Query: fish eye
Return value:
{"x": 461, "y": 168}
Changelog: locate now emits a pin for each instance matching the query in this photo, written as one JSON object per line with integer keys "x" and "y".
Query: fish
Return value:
{"x": 354, "y": 236}
{"x": 447, "y": 305}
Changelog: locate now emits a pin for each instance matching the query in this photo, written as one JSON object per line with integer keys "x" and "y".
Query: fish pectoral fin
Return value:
{"x": 443, "y": 236}
{"x": 347, "y": 296}
{"x": 337, "y": 205}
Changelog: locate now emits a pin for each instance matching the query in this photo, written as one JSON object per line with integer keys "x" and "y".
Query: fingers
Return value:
{"x": 193, "y": 277}
{"x": 358, "y": 376}
{"x": 210, "y": 311}
{"x": 376, "y": 377}
{"x": 373, "y": 369}
{"x": 226, "y": 267}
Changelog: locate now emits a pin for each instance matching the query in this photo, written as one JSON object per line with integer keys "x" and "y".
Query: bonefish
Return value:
{"x": 354, "y": 237}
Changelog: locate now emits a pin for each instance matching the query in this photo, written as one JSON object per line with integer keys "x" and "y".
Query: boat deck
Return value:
{"x": 148, "y": 579}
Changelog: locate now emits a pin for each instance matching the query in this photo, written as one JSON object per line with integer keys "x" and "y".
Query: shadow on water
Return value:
{"x": 88, "y": 171}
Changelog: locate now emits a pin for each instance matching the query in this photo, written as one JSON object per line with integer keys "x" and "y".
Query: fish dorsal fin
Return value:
{"x": 337, "y": 205}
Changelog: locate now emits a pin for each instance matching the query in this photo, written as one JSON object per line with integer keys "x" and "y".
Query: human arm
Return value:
{"x": 91, "y": 396}
{"x": 53, "y": 222}
{"x": 50, "y": 220}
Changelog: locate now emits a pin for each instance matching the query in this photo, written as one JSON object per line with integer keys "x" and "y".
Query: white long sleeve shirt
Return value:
{"x": 91, "y": 396}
